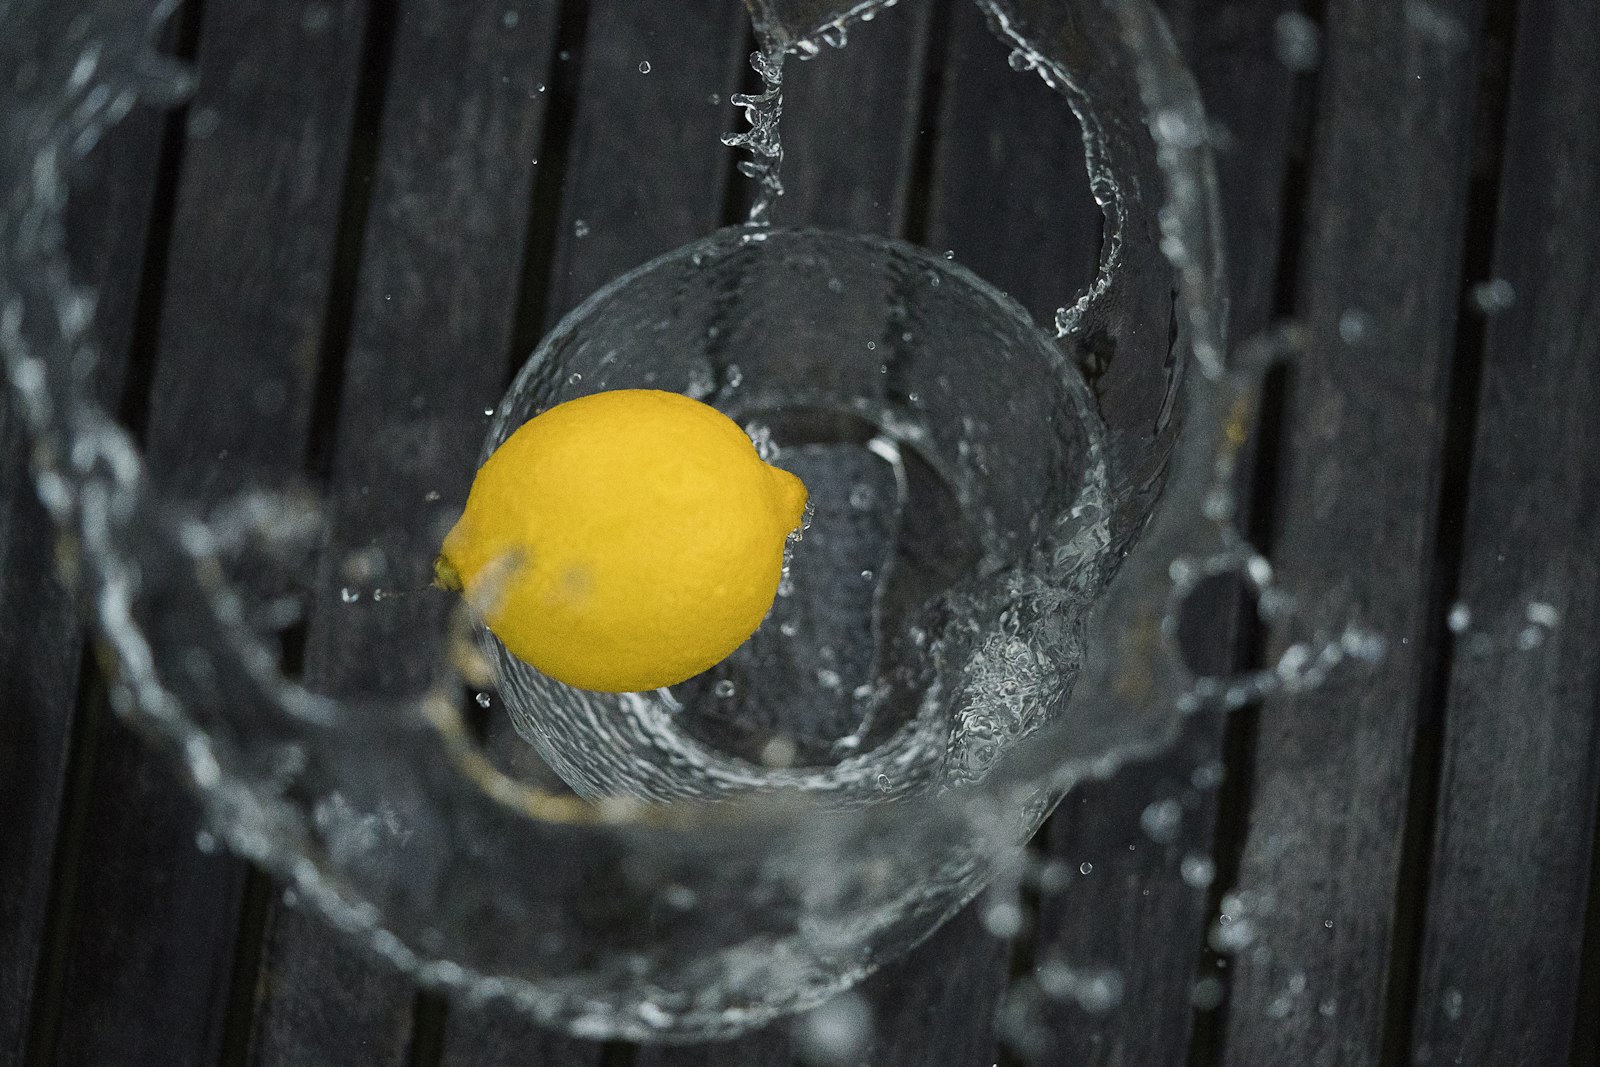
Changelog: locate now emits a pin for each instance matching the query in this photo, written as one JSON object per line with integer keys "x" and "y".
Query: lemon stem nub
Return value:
{"x": 445, "y": 575}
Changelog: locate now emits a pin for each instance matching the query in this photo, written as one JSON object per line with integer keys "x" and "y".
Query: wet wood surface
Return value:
{"x": 1396, "y": 869}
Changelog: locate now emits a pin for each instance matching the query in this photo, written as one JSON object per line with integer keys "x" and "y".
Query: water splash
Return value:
{"x": 762, "y": 140}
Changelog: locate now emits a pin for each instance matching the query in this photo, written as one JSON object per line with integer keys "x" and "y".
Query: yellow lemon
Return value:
{"x": 625, "y": 540}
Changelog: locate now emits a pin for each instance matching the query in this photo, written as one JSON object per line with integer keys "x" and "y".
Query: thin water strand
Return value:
{"x": 763, "y": 140}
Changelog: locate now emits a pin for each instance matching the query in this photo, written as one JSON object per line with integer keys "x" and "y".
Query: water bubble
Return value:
{"x": 1279, "y": 1007}
{"x": 1327, "y": 924}
{"x": 316, "y": 18}
{"x": 1328, "y": 1008}
{"x": 1003, "y": 919}
{"x": 203, "y": 123}
{"x": 883, "y": 783}
{"x": 564, "y": 55}
{"x": 1095, "y": 991}
{"x": 1198, "y": 871}
{"x": 205, "y": 841}
{"x": 348, "y": 595}
{"x": 510, "y": 19}
{"x": 483, "y": 700}
{"x": 1459, "y": 619}
{"x": 1206, "y": 994}
{"x": 1208, "y": 776}
{"x": 1452, "y": 1003}
{"x": 872, "y": 346}
{"x": 1353, "y": 326}
{"x": 1161, "y": 820}
{"x": 714, "y": 99}
{"x": 644, "y": 67}
{"x": 867, "y": 575}
{"x": 1085, "y": 867}
{"x": 1298, "y": 40}
{"x": 1542, "y": 614}
{"x": 780, "y": 752}
{"x": 574, "y": 378}
{"x": 724, "y": 689}
{"x": 680, "y": 897}
{"x": 1493, "y": 296}
{"x": 787, "y": 628}
{"x": 431, "y": 495}
{"x": 580, "y": 228}
{"x": 835, "y": 1033}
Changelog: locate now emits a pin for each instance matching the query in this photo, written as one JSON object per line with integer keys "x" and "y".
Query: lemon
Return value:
{"x": 625, "y": 540}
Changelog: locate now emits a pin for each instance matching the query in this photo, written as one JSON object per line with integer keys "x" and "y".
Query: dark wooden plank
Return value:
{"x": 1149, "y": 834}
{"x": 850, "y": 126}
{"x": 1313, "y": 912}
{"x": 922, "y": 1009}
{"x": 41, "y": 641}
{"x": 154, "y": 920}
{"x": 432, "y": 320}
{"x": 645, "y": 172}
{"x": 499, "y": 1036}
{"x": 1521, "y": 768}
{"x": 1009, "y": 193}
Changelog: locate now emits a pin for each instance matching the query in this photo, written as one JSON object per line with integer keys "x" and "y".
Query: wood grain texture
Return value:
{"x": 1516, "y": 813}
{"x": 934, "y": 1006}
{"x": 432, "y": 316}
{"x": 646, "y": 170}
{"x": 497, "y": 1036}
{"x": 1356, "y": 538}
{"x": 1009, "y": 194}
{"x": 41, "y": 640}
{"x": 1143, "y": 911}
{"x": 155, "y": 920}
{"x": 851, "y": 123}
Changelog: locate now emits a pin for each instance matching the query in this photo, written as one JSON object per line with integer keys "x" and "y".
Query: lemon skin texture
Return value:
{"x": 625, "y": 540}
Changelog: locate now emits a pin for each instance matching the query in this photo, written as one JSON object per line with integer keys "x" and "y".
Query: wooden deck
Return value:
{"x": 372, "y": 209}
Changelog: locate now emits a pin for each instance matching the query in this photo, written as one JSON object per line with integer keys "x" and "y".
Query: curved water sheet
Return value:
{"x": 625, "y": 916}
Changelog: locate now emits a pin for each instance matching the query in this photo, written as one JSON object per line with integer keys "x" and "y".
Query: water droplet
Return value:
{"x": 1542, "y": 614}
{"x": 580, "y": 228}
{"x": 779, "y": 752}
{"x": 1161, "y": 820}
{"x": 644, "y": 68}
{"x": 1198, "y": 871}
{"x": 1207, "y": 994}
{"x": 1353, "y": 326}
{"x": 835, "y": 1033}
{"x": 483, "y": 700}
{"x": 1493, "y": 296}
{"x": 1003, "y": 919}
{"x": 1299, "y": 41}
